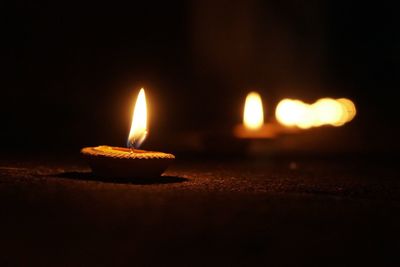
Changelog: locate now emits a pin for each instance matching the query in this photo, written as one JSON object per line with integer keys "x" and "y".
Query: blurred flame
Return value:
{"x": 138, "y": 130}
{"x": 349, "y": 108}
{"x": 289, "y": 112}
{"x": 328, "y": 111}
{"x": 325, "y": 111}
{"x": 307, "y": 117}
{"x": 253, "y": 116}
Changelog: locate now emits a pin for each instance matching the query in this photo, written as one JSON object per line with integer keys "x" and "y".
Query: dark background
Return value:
{"x": 71, "y": 73}
{"x": 72, "y": 70}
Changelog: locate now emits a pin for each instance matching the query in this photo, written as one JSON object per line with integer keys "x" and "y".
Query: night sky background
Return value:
{"x": 71, "y": 71}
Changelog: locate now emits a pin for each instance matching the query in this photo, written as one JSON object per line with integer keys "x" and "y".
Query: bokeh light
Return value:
{"x": 349, "y": 107}
{"x": 288, "y": 112}
{"x": 328, "y": 111}
{"x": 325, "y": 111}
{"x": 253, "y": 116}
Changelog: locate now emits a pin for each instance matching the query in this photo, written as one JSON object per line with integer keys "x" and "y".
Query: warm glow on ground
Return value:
{"x": 253, "y": 116}
{"x": 138, "y": 130}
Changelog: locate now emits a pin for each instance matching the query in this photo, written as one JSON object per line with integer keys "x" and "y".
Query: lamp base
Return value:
{"x": 127, "y": 163}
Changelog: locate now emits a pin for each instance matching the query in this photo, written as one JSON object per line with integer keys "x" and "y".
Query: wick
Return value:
{"x": 131, "y": 147}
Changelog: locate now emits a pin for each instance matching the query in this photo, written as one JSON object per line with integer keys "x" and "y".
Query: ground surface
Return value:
{"x": 237, "y": 213}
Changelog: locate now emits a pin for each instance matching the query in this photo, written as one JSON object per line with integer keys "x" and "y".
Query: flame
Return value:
{"x": 253, "y": 115}
{"x": 325, "y": 111}
{"x": 328, "y": 111}
{"x": 307, "y": 117}
{"x": 349, "y": 108}
{"x": 290, "y": 112}
{"x": 138, "y": 130}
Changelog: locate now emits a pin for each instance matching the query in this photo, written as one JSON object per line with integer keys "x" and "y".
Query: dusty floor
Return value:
{"x": 54, "y": 212}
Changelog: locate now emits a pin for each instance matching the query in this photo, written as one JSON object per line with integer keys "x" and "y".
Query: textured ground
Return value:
{"x": 54, "y": 212}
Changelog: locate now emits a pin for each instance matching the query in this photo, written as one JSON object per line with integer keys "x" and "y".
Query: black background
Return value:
{"x": 72, "y": 70}
{"x": 71, "y": 73}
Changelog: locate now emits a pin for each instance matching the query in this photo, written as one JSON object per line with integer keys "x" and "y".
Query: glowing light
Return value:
{"x": 253, "y": 116}
{"x": 138, "y": 130}
{"x": 328, "y": 111}
{"x": 349, "y": 108}
{"x": 306, "y": 118}
{"x": 325, "y": 111}
{"x": 288, "y": 112}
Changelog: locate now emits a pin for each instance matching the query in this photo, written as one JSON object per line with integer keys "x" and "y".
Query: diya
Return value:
{"x": 130, "y": 162}
{"x": 253, "y": 126}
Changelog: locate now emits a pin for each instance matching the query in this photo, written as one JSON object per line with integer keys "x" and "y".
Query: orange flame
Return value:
{"x": 253, "y": 115}
{"x": 325, "y": 111}
{"x": 138, "y": 130}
